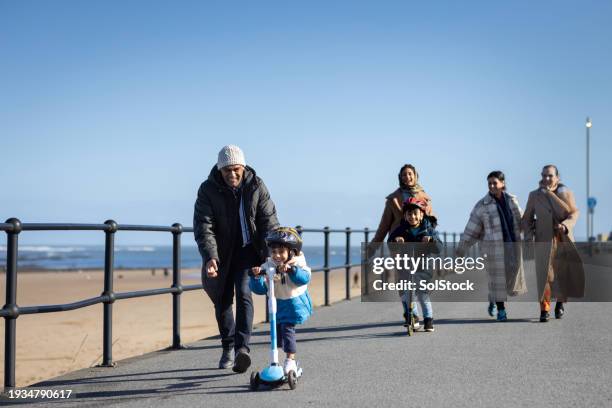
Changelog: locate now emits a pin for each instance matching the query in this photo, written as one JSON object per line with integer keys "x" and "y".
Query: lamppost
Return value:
{"x": 588, "y": 187}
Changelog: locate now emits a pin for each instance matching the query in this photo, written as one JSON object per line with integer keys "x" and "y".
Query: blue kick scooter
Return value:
{"x": 273, "y": 375}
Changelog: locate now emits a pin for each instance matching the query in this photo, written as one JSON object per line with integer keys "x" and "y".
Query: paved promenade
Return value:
{"x": 357, "y": 354}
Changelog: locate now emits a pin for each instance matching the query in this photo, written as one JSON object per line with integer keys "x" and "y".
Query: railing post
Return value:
{"x": 109, "y": 259}
{"x": 348, "y": 263}
{"x": 10, "y": 321}
{"x": 176, "y": 283}
{"x": 445, "y": 243}
{"x": 326, "y": 265}
{"x": 366, "y": 233}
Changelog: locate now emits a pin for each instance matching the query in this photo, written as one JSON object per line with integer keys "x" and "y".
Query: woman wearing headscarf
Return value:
{"x": 550, "y": 217}
{"x": 409, "y": 187}
{"x": 495, "y": 222}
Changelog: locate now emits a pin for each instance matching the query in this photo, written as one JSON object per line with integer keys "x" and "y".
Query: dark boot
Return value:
{"x": 242, "y": 362}
{"x": 226, "y": 360}
{"x": 559, "y": 310}
{"x": 491, "y": 309}
{"x": 544, "y": 316}
{"x": 428, "y": 322}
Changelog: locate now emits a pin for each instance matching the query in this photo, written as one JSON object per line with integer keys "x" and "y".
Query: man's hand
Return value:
{"x": 545, "y": 188}
{"x": 561, "y": 229}
{"x": 399, "y": 239}
{"x": 256, "y": 270}
{"x": 212, "y": 268}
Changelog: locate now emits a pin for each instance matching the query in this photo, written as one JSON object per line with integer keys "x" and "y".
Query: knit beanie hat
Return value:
{"x": 230, "y": 155}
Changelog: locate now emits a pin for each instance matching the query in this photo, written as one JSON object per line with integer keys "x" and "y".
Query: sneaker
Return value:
{"x": 417, "y": 325}
{"x": 428, "y": 322}
{"x": 415, "y": 317}
{"x": 502, "y": 316}
{"x": 544, "y": 316}
{"x": 226, "y": 360}
{"x": 290, "y": 365}
{"x": 242, "y": 361}
{"x": 491, "y": 309}
{"x": 559, "y": 310}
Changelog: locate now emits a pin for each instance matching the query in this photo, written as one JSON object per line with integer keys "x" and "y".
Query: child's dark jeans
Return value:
{"x": 285, "y": 337}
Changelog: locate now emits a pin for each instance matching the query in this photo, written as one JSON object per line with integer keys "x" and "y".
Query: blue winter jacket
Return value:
{"x": 293, "y": 303}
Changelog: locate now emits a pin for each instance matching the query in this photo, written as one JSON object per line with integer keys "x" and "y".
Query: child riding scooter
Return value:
{"x": 284, "y": 277}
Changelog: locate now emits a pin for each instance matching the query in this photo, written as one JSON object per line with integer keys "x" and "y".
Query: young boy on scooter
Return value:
{"x": 294, "y": 305}
{"x": 416, "y": 227}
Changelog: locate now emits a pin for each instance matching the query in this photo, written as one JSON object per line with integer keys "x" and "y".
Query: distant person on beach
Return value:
{"x": 294, "y": 305}
{"x": 233, "y": 214}
{"x": 495, "y": 222}
{"x": 409, "y": 186}
{"x": 416, "y": 227}
{"x": 549, "y": 219}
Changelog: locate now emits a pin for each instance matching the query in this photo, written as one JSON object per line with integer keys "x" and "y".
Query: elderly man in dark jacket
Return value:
{"x": 233, "y": 213}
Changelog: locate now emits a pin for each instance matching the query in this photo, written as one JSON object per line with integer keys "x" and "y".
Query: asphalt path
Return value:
{"x": 358, "y": 354}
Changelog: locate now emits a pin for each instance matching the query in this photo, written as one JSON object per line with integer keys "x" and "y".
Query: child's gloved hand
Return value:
{"x": 256, "y": 271}
{"x": 399, "y": 239}
{"x": 427, "y": 239}
{"x": 286, "y": 267}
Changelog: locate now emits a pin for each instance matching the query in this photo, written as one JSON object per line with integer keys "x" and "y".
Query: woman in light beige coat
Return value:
{"x": 549, "y": 219}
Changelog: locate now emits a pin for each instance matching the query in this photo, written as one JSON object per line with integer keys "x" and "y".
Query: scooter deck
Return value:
{"x": 274, "y": 383}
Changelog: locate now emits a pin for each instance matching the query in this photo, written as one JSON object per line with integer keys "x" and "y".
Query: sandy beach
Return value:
{"x": 51, "y": 344}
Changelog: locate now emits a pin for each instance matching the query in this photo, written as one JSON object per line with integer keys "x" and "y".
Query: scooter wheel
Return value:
{"x": 292, "y": 379}
{"x": 254, "y": 381}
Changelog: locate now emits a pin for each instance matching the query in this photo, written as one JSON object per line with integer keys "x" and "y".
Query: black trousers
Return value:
{"x": 236, "y": 334}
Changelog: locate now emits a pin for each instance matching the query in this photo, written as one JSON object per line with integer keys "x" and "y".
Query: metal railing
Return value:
{"x": 11, "y": 311}
{"x": 326, "y": 268}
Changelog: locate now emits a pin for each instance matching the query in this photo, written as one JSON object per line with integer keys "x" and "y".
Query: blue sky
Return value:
{"x": 118, "y": 109}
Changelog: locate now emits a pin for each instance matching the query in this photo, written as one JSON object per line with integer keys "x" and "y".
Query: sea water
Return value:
{"x": 74, "y": 257}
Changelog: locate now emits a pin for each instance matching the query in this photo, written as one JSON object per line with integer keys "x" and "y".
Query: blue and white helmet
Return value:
{"x": 285, "y": 236}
